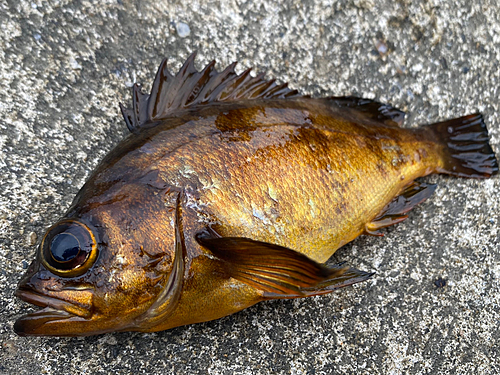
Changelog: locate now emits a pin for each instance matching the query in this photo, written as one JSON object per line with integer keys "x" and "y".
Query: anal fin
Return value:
{"x": 276, "y": 270}
{"x": 395, "y": 211}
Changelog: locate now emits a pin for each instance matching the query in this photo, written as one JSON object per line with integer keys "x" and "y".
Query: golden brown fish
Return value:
{"x": 232, "y": 190}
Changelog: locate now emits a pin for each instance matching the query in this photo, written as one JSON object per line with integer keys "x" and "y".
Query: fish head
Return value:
{"x": 101, "y": 267}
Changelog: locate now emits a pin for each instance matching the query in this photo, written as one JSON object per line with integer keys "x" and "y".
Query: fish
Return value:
{"x": 230, "y": 190}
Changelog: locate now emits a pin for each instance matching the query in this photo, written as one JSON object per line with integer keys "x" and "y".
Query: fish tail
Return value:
{"x": 464, "y": 147}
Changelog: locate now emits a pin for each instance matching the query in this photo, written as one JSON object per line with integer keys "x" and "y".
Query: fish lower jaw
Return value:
{"x": 55, "y": 318}
{"x": 31, "y": 323}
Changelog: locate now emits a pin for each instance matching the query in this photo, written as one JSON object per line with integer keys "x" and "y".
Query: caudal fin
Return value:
{"x": 466, "y": 151}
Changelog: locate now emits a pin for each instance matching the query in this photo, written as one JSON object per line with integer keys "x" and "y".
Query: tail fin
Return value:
{"x": 466, "y": 152}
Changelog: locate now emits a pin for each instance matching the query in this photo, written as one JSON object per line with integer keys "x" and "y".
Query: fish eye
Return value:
{"x": 68, "y": 248}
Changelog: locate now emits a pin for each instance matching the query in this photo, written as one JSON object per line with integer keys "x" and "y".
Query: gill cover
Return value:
{"x": 167, "y": 300}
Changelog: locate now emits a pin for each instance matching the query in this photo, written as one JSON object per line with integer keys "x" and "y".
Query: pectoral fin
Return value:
{"x": 395, "y": 211}
{"x": 276, "y": 270}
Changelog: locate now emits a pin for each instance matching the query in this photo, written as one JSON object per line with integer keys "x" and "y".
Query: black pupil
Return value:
{"x": 64, "y": 247}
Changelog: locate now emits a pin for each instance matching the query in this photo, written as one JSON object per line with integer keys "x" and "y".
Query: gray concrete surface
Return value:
{"x": 432, "y": 307}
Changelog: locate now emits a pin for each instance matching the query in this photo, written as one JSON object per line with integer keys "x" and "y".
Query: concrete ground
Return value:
{"x": 433, "y": 305}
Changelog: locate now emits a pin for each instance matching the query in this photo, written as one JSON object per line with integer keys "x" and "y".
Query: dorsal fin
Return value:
{"x": 367, "y": 110}
{"x": 190, "y": 88}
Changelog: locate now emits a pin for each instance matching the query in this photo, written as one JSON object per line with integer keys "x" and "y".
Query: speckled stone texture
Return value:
{"x": 433, "y": 305}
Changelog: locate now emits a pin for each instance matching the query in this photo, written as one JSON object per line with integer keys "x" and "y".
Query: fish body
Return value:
{"x": 288, "y": 172}
{"x": 231, "y": 190}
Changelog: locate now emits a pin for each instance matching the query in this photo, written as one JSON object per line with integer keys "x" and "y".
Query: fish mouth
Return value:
{"x": 54, "y": 310}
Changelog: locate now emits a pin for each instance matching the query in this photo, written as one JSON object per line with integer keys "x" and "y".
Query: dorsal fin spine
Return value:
{"x": 215, "y": 84}
{"x": 128, "y": 118}
{"x": 139, "y": 104}
{"x": 156, "y": 89}
{"x": 189, "y": 71}
{"x": 238, "y": 80}
{"x": 197, "y": 92}
{"x": 253, "y": 82}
